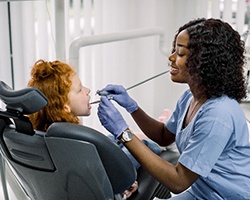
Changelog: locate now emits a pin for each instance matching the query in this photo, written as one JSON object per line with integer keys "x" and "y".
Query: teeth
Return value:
{"x": 174, "y": 69}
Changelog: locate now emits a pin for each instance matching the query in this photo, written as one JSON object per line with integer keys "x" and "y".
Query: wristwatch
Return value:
{"x": 126, "y": 136}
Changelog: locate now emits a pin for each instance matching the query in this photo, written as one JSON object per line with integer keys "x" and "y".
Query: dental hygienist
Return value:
{"x": 208, "y": 124}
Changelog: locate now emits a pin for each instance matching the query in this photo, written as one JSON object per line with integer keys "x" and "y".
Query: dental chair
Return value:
{"x": 69, "y": 161}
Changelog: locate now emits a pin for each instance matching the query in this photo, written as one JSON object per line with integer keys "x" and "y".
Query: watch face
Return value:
{"x": 127, "y": 136}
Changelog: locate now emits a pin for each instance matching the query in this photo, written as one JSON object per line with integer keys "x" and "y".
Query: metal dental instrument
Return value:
{"x": 94, "y": 102}
{"x": 153, "y": 77}
{"x": 105, "y": 93}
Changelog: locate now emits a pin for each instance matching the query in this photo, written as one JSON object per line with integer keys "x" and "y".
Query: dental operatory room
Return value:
{"x": 125, "y": 99}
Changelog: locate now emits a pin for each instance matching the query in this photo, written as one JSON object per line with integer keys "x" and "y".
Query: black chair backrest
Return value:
{"x": 68, "y": 161}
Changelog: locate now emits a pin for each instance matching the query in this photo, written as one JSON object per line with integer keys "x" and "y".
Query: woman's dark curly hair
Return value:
{"x": 216, "y": 60}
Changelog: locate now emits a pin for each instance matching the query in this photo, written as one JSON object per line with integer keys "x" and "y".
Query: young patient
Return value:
{"x": 67, "y": 100}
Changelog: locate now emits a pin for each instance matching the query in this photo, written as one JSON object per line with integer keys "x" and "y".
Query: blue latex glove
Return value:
{"x": 120, "y": 95}
{"x": 111, "y": 118}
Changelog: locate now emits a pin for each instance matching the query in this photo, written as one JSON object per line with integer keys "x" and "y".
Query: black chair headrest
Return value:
{"x": 26, "y": 101}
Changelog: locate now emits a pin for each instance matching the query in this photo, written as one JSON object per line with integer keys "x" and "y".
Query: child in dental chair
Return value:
{"x": 67, "y": 100}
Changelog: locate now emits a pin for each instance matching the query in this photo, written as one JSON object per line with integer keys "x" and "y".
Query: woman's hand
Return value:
{"x": 120, "y": 95}
{"x": 110, "y": 117}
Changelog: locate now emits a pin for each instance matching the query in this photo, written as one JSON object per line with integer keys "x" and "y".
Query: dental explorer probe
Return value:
{"x": 105, "y": 93}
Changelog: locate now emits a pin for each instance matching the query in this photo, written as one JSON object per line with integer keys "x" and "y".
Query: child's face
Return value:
{"x": 79, "y": 98}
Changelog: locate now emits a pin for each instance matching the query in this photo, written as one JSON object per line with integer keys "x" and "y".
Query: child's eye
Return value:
{"x": 80, "y": 90}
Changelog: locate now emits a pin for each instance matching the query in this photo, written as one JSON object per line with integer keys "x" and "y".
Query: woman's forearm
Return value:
{"x": 175, "y": 178}
{"x": 152, "y": 128}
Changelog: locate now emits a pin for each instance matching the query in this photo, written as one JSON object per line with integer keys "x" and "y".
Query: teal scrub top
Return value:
{"x": 215, "y": 145}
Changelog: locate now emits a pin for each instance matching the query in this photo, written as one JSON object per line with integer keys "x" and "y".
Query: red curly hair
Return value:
{"x": 53, "y": 79}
